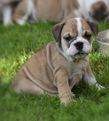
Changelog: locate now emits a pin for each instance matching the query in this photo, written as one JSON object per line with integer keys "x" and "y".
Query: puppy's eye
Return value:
{"x": 87, "y": 35}
{"x": 67, "y": 38}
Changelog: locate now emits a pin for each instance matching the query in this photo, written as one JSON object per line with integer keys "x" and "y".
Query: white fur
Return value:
{"x": 90, "y": 79}
{"x": 30, "y": 11}
{"x": 84, "y": 8}
{"x": 79, "y": 26}
{"x": 64, "y": 47}
{"x": 22, "y": 20}
{"x": 7, "y": 15}
{"x": 87, "y": 47}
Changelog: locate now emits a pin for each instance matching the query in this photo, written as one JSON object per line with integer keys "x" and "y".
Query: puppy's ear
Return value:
{"x": 57, "y": 29}
{"x": 94, "y": 27}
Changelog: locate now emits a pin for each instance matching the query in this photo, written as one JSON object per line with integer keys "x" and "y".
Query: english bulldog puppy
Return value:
{"x": 93, "y": 10}
{"x": 6, "y": 11}
{"x": 57, "y": 10}
{"x": 58, "y": 67}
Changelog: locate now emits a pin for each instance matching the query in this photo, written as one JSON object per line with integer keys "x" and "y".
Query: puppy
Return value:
{"x": 93, "y": 10}
{"x": 6, "y": 11}
{"x": 61, "y": 64}
{"x": 57, "y": 10}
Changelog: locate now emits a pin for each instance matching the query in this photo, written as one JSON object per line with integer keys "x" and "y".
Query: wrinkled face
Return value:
{"x": 99, "y": 11}
{"x": 75, "y": 40}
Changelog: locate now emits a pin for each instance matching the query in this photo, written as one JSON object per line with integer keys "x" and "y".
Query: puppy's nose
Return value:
{"x": 79, "y": 46}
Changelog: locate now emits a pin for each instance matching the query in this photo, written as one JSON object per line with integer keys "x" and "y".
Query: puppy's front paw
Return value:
{"x": 65, "y": 100}
{"x": 99, "y": 87}
{"x": 8, "y": 23}
{"x": 21, "y": 22}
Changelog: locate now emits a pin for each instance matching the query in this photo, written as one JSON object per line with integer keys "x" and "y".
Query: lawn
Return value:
{"x": 17, "y": 44}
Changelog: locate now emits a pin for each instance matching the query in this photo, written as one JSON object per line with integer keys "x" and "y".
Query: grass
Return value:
{"x": 16, "y": 45}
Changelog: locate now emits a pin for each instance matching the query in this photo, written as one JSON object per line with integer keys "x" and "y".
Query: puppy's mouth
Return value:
{"x": 81, "y": 53}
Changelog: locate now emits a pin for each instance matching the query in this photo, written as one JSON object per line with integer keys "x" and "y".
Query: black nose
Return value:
{"x": 79, "y": 46}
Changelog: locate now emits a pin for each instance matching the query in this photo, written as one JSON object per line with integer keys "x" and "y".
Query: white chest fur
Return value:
{"x": 77, "y": 71}
{"x": 78, "y": 67}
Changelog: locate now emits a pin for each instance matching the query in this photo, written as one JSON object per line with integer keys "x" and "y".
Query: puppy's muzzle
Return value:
{"x": 79, "y": 46}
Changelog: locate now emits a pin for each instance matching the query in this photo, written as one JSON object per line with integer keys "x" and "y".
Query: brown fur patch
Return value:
{"x": 85, "y": 26}
{"x": 99, "y": 10}
{"x": 70, "y": 27}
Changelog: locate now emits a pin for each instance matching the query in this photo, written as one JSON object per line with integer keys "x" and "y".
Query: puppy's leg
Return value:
{"x": 26, "y": 86}
{"x": 23, "y": 11}
{"x": 23, "y": 84}
{"x": 7, "y": 15}
{"x": 90, "y": 78}
{"x": 67, "y": 7}
{"x": 62, "y": 83}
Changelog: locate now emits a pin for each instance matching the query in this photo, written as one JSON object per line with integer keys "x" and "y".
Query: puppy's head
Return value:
{"x": 74, "y": 37}
{"x": 99, "y": 10}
